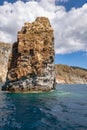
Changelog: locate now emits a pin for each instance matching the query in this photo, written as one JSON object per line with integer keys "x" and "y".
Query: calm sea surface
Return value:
{"x": 63, "y": 109}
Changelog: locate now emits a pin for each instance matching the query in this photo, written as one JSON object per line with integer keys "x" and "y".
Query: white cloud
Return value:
{"x": 70, "y": 28}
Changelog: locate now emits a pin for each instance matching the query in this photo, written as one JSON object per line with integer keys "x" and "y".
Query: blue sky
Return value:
{"x": 68, "y": 18}
{"x": 68, "y": 5}
{"x": 72, "y": 3}
{"x": 78, "y": 58}
{"x": 72, "y": 59}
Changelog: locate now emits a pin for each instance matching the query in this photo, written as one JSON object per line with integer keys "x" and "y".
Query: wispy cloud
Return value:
{"x": 70, "y": 28}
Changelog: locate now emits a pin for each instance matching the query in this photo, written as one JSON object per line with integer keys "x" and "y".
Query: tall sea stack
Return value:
{"x": 31, "y": 63}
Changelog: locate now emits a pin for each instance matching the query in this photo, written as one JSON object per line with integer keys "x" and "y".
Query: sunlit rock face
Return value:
{"x": 5, "y": 50}
{"x": 70, "y": 75}
{"x": 31, "y": 63}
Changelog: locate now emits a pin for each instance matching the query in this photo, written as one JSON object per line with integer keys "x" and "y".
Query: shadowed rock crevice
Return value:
{"x": 31, "y": 64}
{"x": 13, "y": 58}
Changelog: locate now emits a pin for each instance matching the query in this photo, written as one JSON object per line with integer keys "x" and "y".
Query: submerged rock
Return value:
{"x": 31, "y": 64}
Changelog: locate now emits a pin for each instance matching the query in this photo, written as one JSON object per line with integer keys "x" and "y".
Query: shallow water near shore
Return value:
{"x": 62, "y": 109}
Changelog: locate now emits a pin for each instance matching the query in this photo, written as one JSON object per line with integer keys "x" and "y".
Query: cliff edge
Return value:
{"x": 5, "y": 50}
{"x": 70, "y": 75}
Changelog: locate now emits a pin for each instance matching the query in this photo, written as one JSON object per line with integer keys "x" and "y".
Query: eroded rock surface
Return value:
{"x": 5, "y": 50}
{"x": 70, "y": 75}
{"x": 31, "y": 64}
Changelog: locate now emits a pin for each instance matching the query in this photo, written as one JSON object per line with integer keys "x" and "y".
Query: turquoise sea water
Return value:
{"x": 63, "y": 109}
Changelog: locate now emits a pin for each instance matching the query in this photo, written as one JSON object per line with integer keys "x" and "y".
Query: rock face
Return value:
{"x": 5, "y": 50}
{"x": 70, "y": 75}
{"x": 31, "y": 64}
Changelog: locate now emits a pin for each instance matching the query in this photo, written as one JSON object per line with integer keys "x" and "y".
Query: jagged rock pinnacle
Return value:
{"x": 31, "y": 63}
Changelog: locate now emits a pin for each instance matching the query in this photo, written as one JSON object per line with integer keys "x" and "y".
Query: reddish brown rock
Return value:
{"x": 31, "y": 64}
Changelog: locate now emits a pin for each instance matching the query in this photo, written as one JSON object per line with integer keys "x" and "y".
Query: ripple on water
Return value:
{"x": 63, "y": 109}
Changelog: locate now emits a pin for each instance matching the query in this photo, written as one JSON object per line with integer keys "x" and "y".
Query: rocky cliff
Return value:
{"x": 31, "y": 63}
{"x": 5, "y": 50}
{"x": 70, "y": 75}
{"x": 64, "y": 74}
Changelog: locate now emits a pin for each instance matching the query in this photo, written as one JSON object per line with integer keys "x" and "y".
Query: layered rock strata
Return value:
{"x": 31, "y": 63}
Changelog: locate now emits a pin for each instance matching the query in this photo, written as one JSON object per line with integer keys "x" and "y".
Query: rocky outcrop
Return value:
{"x": 64, "y": 74}
{"x": 5, "y": 50}
{"x": 31, "y": 63}
{"x": 70, "y": 75}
